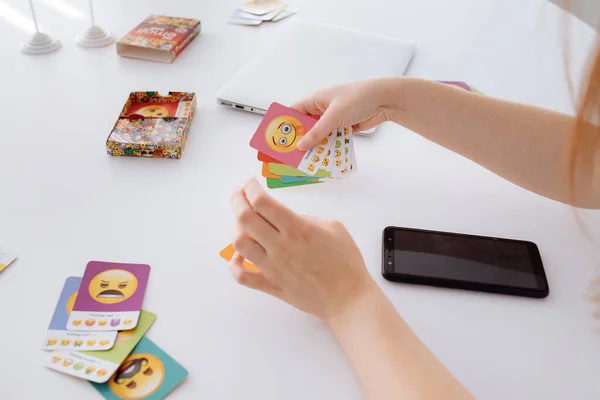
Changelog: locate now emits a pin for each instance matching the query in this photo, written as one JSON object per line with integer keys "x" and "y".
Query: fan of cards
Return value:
{"x": 258, "y": 11}
{"x": 284, "y": 165}
{"x": 97, "y": 333}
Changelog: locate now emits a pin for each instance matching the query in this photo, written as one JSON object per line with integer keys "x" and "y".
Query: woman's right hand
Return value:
{"x": 362, "y": 105}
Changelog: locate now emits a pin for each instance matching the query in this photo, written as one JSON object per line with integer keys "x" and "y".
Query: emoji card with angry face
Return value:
{"x": 59, "y": 338}
{"x": 99, "y": 366}
{"x": 279, "y": 133}
{"x": 110, "y": 297}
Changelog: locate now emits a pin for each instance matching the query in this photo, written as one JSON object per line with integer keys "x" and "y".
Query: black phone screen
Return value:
{"x": 463, "y": 258}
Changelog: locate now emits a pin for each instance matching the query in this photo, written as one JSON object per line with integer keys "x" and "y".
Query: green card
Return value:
{"x": 273, "y": 183}
{"x": 148, "y": 373}
{"x": 283, "y": 169}
{"x": 98, "y": 366}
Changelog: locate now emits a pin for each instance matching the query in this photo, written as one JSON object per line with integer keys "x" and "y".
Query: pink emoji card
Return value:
{"x": 110, "y": 297}
{"x": 279, "y": 133}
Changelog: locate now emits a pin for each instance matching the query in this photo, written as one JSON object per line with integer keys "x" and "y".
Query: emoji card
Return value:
{"x": 110, "y": 297}
{"x": 148, "y": 373}
{"x": 98, "y": 366}
{"x": 227, "y": 254}
{"x": 59, "y": 338}
{"x": 279, "y": 133}
{"x": 6, "y": 260}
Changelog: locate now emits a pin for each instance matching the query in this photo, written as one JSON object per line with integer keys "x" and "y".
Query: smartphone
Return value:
{"x": 452, "y": 260}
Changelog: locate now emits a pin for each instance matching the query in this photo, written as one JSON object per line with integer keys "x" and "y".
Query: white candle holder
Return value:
{"x": 94, "y": 36}
{"x": 40, "y": 42}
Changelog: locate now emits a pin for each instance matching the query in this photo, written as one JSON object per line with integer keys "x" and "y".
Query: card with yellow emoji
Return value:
{"x": 59, "y": 338}
{"x": 147, "y": 373}
{"x": 279, "y": 133}
{"x": 110, "y": 297}
{"x": 99, "y": 366}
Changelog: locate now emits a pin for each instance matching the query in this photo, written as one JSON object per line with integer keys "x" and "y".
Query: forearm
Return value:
{"x": 388, "y": 358}
{"x": 524, "y": 144}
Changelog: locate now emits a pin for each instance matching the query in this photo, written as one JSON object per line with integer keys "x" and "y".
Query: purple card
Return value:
{"x": 110, "y": 297}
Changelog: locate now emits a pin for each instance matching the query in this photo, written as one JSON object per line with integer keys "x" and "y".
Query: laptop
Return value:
{"x": 306, "y": 57}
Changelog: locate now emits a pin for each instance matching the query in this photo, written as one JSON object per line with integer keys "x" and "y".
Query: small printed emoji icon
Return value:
{"x": 337, "y": 163}
{"x": 90, "y": 369}
{"x": 343, "y": 171}
{"x": 138, "y": 377}
{"x": 338, "y": 144}
{"x": 65, "y": 342}
{"x": 346, "y": 160}
{"x": 127, "y": 322}
{"x": 56, "y": 359}
{"x": 67, "y": 362}
{"x": 338, "y": 153}
{"x": 346, "y": 151}
{"x": 90, "y": 322}
{"x": 101, "y": 372}
{"x": 153, "y": 111}
{"x": 115, "y": 322}
{"x": 78, "y": 366}
{"x": 320, "y": 149}
{"x": 124, "y": 336}
{"x": 283, "y": 133}
{"x": 102, "y": 323}
{"x": 346, "y": 131}
{"x": 315, "y": 158}
{"x": 76, "y": 322}
{"x": 77, "y": 343}
{"x": 311, "y": 167}
{"x": 91, "y": 342}
{"x": 325, "y": 162}
{"x": 113, "y": 286}
{"x": 324, "y": 141}
{"x": 51, "y": 342}
{"x": 104, "y": 342}
{"x": 339, "y": 134}
{"x": 328, "y": 153}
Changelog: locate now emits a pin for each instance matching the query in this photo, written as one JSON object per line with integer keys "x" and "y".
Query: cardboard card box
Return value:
{"x": 152, "y": 125}
{"x": 159, "y": 38}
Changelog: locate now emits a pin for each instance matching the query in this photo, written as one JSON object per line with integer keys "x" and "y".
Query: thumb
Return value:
{"x": 329, "y": 122}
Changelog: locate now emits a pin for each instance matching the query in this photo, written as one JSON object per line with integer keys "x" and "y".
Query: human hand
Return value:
{"x": 310, "y": 263}
{"x": 362, "y": 105}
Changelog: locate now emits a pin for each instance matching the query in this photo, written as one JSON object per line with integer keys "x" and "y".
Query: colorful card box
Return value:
{"x": 59, "y": 338}
{"x": 98, "y": 366}
{"x": 152, "y": 125}
{"x": 110, "y": 297}
{"x": 159, "y": 38}
{"x": 147, "y": 373}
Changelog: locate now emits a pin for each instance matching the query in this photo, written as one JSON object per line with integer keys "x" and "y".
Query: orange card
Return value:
{"x": 227, "y": 254}
{"x": 265, "y": 158}
{"x": 268, "y": 174}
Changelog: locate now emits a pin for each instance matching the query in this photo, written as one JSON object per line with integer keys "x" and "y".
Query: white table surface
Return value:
{"x": 64, "y": 202}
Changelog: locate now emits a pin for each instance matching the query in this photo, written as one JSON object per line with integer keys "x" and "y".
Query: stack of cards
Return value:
{"x": 97, "y": 334}
{"x": 284, "y": 165}
{"x": 255, "y": 12}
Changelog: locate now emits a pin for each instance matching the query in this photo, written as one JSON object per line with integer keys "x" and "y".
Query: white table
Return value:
{"x": 64, "y": 202}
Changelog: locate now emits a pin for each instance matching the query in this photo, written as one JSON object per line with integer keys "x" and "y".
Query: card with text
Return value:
{"x": 110, "y": 297}
{"x": 147, "y": 373}
{"x": 59, "y": 338}
{"x": 98, "y": 366}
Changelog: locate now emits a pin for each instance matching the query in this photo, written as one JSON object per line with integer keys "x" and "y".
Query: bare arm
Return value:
{"x": 388, "y": 358}
{"x": 525, "y": 144}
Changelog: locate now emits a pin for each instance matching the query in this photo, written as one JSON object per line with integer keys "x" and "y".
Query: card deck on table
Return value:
{"x": 238, "y": 18}
{"x": 110, "y": 297}
{"x": 98, "y": 366}
{"x": 147, "y": 373}
{"x": 262, "y": 7}
{"x": 227, "y": 254}
{"x": 6, "y": 260}
{"x": 287, "y": 12}
{"x": 59, "y": 338}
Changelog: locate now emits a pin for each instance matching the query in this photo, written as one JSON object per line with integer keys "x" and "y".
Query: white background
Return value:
{"x": 64, "y": 202}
